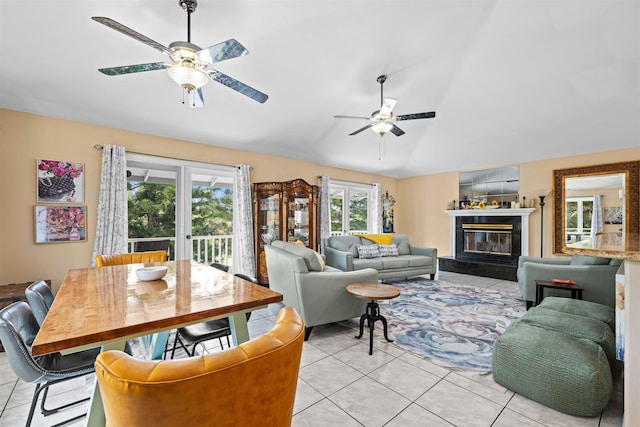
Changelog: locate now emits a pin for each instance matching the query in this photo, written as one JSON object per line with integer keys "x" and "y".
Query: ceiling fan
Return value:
{"x": 189, "y": 62}
{"x": 382, "y": 120}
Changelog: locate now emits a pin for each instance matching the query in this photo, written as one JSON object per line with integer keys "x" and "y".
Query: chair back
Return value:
{"x": 134, "y": 258}
{"x": 253, "y": 384}
{"x": 18, "y": 329}
{"x": 40, "y": 298}
{"x": 152, "y": 245}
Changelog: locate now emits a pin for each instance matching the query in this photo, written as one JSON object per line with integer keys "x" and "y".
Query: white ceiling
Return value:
{"x": 510, "y": 80}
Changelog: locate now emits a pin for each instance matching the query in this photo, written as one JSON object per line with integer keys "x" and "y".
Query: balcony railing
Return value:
{"x": 206, "y": 249}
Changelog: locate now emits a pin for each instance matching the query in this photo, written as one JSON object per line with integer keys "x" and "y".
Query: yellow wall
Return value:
{"x": 422, "y": 200}
{"x": 26, "y": 137}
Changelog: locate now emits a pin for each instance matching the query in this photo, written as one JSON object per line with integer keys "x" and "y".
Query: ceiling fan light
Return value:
{"x": 188, "y": 76}
{"x": 382, "y": 127}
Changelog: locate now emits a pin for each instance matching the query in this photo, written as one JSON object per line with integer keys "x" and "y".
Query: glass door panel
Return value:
{"x": 298, "y": 218}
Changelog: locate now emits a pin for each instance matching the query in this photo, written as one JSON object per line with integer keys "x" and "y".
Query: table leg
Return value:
{"x": 372, "y": 326}
{"x": 362, "y": 319}
{"x": 239, "y": 329}
{"x": 539, "y": 294}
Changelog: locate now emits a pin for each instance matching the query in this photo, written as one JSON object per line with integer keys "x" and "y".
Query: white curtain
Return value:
{"x": 112, "y": 224}
{"x": 376, "y": 209}
{"x": 597, "y": 225}
{"x": 244, "y": 260}
{"x": 325, "y": 214}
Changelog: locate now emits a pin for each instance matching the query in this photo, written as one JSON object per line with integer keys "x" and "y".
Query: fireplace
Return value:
{"x": 487, "y": 242}
{"x": 489, "y": 238}
{"x": 492, "y": 240}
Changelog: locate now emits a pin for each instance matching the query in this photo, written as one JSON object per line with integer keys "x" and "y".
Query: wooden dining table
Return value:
{"x": 106, "y": 306}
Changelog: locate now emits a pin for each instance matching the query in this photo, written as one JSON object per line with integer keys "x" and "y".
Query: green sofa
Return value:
{"x": 560, "y": 354}
{"x": 342, "y": 253}
{"x": 595, "y": 274}
{"x": 317, "y": 292}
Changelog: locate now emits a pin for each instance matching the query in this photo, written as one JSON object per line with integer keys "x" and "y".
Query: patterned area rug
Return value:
{"x": 453, "y": 325}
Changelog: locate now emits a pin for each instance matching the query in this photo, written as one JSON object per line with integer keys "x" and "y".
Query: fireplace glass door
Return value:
{"x": 488, "y": 239}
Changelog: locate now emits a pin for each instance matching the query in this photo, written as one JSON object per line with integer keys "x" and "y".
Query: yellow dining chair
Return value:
{"x": 134, "y": 258}
{"x": 153, "y": 344}
{"x": 253, "y": 384}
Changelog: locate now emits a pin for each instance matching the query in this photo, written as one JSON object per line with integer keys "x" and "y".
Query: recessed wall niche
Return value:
{"x": 499, "y": 184}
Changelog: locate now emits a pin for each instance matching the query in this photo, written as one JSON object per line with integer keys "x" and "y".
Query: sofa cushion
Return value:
{"x": 345, "y": 243}
{"x": 402, "y": 242}
{"x": 368, "y": 251}
{"x": 419, "y": 260}
{"x": 375, "y": 263}
{"x": 311, "y": 257}
{"x": 588, "y": 260}
{"x": 390, "y": 263}
{"x": 388, "y": 250}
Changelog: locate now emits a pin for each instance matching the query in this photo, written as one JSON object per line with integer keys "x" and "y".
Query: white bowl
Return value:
{"x": 151, "y": 273}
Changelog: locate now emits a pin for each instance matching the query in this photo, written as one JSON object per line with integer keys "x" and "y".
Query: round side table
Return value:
{"x": 373, "y": 292}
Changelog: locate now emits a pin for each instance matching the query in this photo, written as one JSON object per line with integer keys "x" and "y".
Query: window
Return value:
{"x": 350, "y": 208}
{"x": 188, "y": 203}
{"x": 578, "y": 211}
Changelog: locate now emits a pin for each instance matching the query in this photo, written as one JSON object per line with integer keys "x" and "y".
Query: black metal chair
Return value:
{"x": 18, "y": 329}
{"x": 221, "y": 267}
{"x": 40, "y": 298}
{"x": 152, "y": 245}
{"x": 192, "y": 335}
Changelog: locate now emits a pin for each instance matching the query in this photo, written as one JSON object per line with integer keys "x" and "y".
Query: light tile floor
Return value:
{"x": 340, "y": 384}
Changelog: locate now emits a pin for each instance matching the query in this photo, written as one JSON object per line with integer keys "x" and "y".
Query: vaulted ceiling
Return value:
{"x": 510, "y": 80}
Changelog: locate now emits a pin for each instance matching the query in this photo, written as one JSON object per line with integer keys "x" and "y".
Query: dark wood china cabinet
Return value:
{"x": 285, "y": 211}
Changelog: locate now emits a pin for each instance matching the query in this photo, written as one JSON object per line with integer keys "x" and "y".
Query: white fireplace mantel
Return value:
{"x": 523, "y": 213}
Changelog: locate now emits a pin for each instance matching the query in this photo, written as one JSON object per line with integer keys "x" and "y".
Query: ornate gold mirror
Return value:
{"x": 596, "y": 209}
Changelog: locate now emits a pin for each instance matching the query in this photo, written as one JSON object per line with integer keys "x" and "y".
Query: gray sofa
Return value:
{"x": 595, "y": 274}
{"x": 317, "y": 292}
{"x": 342, "y": 253}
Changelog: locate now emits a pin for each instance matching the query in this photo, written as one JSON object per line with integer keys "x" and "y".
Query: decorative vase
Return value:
{"x": 74, "y": 234}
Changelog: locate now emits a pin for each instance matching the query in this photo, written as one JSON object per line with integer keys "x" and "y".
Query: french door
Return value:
{"x": 189, "y": 203}
{"x": 350, "y": 208}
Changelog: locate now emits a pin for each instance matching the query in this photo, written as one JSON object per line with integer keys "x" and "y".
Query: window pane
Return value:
{"x": 587, "y": 212}
{"x": 336, "y": 208}
{"x": 151, "y": 209}
{"x": 358, "y": 202}
{"x": 572, "y": 215}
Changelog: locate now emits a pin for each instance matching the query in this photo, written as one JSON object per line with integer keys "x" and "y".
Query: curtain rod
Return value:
{"x": 100, "y": 147}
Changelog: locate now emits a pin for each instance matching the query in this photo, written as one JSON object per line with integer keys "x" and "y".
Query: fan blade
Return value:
{"x": 416, "y": 116}
{"x": 352, "y": 117}
{"x": 387, "y": 106}
{"x": 138, "y": 68}
{"x": 361, "y": 129}
{"x": 195, "y": 98}
{"x": 234, "y": 84}
{"x": 222, "y": 51}
{"x": 396, "y": 131}
{"x": 134, "y": 34}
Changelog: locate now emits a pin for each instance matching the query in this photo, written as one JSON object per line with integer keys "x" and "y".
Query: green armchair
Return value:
{"x": 318, "y": 293}
{"x": 596, "y": 275}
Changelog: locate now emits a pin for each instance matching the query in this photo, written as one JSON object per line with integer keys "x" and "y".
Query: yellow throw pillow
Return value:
{"x": 299, "y": 243}
{"x": 320, "y": 260}
{"x": 383, "y": 238}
